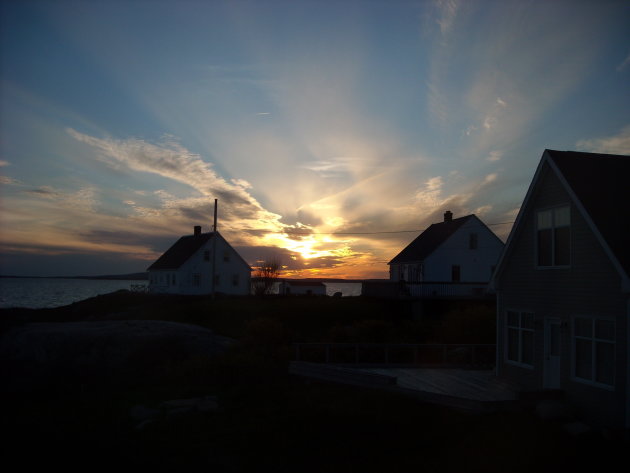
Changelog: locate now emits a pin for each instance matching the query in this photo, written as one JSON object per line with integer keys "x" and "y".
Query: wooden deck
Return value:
{"x": 476, "y": 385}
{"x": 469, "y": 390}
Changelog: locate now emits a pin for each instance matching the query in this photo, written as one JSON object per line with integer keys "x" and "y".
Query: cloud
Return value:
{"x": 171, "y": 160}
{"x": 8, "y": 180}
{"x": 4, "y": 163}
{"x": 447, "y": 13}
{"x": 616, "y": 144}
{"x": 494, "y": 156}
{"x": 623, "y": 64}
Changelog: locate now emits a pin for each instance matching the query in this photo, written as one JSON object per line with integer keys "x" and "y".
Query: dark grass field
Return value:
{"x": 269, "y": 421}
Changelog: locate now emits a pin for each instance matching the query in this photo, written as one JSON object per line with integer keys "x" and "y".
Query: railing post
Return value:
{"x": 415, "y": 354}
{"x": 386, "y": 354}
{"x": 356, "y": 353}
{"x": 328, "y": 353}
{"x": 474, "y": 349}
{"x": 443, "y": 354}
{"x": 297, "y": 352}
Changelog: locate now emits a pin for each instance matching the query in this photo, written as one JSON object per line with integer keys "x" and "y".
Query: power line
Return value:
{"x": 289, "y": 232}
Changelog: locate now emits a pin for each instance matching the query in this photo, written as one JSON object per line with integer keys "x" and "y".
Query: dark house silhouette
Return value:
{"x": 563, "y": 286}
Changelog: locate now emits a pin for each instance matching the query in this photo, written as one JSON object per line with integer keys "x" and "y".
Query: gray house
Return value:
{"x": 455, "y": 257}
{"x": 563, "y": 291}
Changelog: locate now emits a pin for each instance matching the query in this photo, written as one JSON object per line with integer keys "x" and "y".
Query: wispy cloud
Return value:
{"x": 172, "y": 160}
{"x": 623, "y": 64}
{"x": 616, "y": 144}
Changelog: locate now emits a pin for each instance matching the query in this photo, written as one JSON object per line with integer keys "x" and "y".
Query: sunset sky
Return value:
{"x": 331, "y": 132}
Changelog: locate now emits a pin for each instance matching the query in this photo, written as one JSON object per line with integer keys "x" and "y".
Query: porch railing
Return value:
{"x": 408, "y": 354}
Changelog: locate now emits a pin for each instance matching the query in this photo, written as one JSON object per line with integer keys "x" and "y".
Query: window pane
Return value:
{"x": 605, "y": 367}
{"x": 455, "y": 273}
{"x": 544, "y": 247}
{"x": 562, "y": 216}
{"x": 512, "y": 318}
{"x": 528, "y": 347}
{"x": 605, "y": 329}
{"x": 583, "y": 359}
{"x": 544, "y": 219}
{"x": 472, "y": 243}
{"x": 583, "y": 327}
{"x": 562, "y": 246}
{"x": 527, "y": 320}
{"x": 512, "y": 349}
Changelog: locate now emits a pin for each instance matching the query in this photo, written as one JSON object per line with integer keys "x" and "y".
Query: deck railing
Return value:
{"x": 408, "y": 354}
{"x": 428, "y": 289}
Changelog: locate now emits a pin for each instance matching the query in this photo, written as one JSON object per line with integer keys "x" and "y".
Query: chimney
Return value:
{"x": 448, "y": 216}
{"x": 197, "y": 230}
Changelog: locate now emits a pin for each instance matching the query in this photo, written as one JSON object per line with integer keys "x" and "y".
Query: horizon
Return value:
{"x": 332, "y": 134}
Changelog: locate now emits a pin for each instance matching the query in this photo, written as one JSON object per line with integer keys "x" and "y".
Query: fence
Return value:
{"x": 408, "y": 354}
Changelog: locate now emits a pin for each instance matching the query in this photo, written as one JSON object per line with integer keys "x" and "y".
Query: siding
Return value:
{"x": 590, "y": 286}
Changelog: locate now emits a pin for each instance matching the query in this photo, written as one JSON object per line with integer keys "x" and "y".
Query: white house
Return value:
{"x": 187, "y": 267}
{"x": 310, "y": 288}
{"x": 453, "y": 257}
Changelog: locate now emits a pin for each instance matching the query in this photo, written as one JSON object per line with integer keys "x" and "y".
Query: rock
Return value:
{"x": 554, "y": 410}
{"x": 577, "y": 429}
{"x": 142, "y": 413}
{"x": 39, "y": 356}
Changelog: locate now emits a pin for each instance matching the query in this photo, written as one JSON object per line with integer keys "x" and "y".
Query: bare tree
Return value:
{"x": 266, "y": 274}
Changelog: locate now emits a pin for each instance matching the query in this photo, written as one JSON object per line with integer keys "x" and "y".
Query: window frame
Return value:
{"x": 554, "y": 227}
{"x": 594, "y": 340}
{"x": 520, "y": 329}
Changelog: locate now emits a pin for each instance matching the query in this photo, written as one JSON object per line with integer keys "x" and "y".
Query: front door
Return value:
{"x": 552, "y": 354}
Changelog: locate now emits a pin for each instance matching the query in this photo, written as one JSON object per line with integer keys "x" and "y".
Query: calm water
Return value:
{"x": 38, "y": 293}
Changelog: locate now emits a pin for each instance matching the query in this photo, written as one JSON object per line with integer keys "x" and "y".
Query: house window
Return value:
{"x": 455, "y": 273}
{"x": 554, "y": 236}
{"x": 594, "y": 350}
{"x": 519, "y": 338}
{"x": 226, "y": 256}
{"x": 235, "y": 279}
{"x": 196, "y": 279}
{"x": 173, "y": 279}
{"x": 217, "y": 280}
{"x": 472, "y": 241}
{"x": 206, "y": 255}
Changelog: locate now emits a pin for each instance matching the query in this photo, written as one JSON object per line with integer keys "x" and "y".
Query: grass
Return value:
{"x": 270, "y": 421}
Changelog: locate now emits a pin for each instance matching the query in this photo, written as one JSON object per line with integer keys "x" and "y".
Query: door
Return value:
{"x": 551, "y": 365}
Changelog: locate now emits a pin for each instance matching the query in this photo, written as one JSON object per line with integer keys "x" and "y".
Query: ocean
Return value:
{"x": 40, "y": 293}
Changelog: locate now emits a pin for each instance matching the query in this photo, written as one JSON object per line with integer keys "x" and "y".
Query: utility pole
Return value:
{"x": 214, "y": 246}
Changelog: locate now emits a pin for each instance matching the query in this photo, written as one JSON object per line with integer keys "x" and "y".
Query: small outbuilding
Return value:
{"x": 307, "y": 288}
{"x": 201, "y": 263}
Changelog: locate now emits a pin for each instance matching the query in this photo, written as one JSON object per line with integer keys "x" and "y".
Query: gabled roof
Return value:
{"x": 429, "y": 240}
{"x": 599, "y": 186}
{"x": 601, "y": 183}
{"x": 181, "y": 251}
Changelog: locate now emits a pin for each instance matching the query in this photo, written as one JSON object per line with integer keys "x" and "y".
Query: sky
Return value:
{"x": 331, "y": 132}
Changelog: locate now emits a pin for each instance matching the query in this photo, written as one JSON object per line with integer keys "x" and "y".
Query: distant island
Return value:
{"x": 143, "y": 276}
